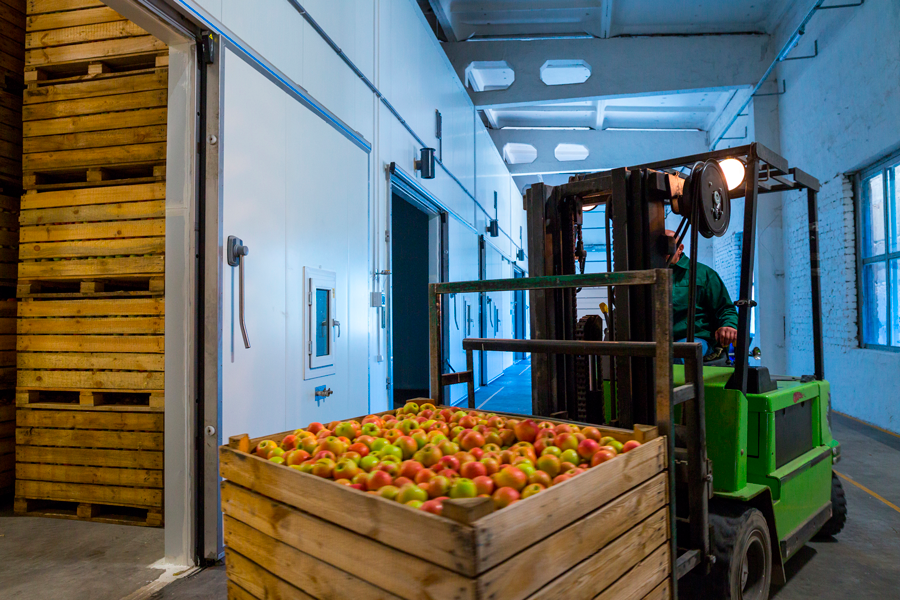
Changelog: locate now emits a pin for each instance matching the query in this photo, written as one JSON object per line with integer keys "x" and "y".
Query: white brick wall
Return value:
{"x": 837, "y": 265}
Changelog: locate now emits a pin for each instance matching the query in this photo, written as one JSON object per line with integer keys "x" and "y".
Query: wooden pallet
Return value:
{"x": 603, "y": 534}
{"x": 112, "y": 236}
{"x": 7, "y": 444}
{"x": 97, "y": 352}
{"x": 99, "y": 466}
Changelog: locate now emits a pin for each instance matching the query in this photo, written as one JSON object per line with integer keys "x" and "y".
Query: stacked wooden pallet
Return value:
{"x": 91, "y": 311}
{"x": 12, "y": 61}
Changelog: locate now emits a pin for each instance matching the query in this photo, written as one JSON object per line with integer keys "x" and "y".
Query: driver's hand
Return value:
{"x": 726, "y": 336}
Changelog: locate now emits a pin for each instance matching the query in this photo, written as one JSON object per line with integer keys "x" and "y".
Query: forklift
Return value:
{"x": 767, "y": 452}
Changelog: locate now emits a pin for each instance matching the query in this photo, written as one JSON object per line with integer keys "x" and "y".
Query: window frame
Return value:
{"x": 315, "y": 365}
{"x": 884, "y": 167}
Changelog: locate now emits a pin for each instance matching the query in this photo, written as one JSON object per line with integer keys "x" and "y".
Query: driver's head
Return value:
{"x": 678, "y": 251}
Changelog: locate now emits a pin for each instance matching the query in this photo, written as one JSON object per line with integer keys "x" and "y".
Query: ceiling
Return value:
{"x": 464, "y": 22}
{"x": 464, "y": 19}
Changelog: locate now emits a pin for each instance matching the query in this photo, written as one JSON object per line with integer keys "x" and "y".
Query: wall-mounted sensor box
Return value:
{"x": 377, "y": 300}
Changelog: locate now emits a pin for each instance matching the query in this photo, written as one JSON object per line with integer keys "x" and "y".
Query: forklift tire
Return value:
{"x": 838, "y": 518}
{"x": 743, "y": 550}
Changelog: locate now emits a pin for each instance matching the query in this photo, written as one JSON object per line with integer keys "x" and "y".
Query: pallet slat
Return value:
{"x": 91, "y": 475}
{"x": 131, "y": 459}
{"x": 83, "y": 492}
{"x": 93, "y": 248}
{"x": 75, "y": 420}
{"x": 93, "y": 51}
{"x": 78, "y": 34}
{"x": 90, "y": 380}
{"x": 71, "y": 438}
{"x": 87, "y": 268}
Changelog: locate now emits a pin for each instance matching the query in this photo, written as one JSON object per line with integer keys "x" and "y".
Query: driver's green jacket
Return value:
{"x": 714, "y": 306}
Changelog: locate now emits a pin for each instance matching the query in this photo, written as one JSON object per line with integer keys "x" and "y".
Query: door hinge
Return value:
{"x": 309, "y": 298}
{"x": 387, "y": 236}
{"x": 309, "y": 347}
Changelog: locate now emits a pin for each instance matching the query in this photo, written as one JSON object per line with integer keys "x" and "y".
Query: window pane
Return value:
{"x": 895, "y": 302}
{"x": 322, "y": 322}
{"x": 895, "y": 211}
{"x": 873, "y": 216}
{"x": 875, "y": 304}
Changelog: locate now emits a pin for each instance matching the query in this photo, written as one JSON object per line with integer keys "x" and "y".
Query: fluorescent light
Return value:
{"x": 649, "y": 129}
{"x": 546, "y": 128}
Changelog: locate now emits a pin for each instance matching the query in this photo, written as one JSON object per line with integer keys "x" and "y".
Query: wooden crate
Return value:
{"x": 7, "y": 444}
{"x": 91, "y": 353}
{"x": 90, "y": 465}
{"x": 603, "y": 534}
{"x": 93, "y": 240}
{"x": 12, "y": 63}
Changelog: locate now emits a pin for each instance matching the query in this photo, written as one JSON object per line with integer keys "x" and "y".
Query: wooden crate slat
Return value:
{"x": 112, "y": 84}
{"x": 90, "y": 475}
{"x": 19, "y": 6}
{"x": 79, "y": 34}
{"x": 7, "y": 412}
{"x": 90, "y": 421}
{"x": 72, "y": 438}
{"x": 6, "y": 237}
{"x": 81, "y": 249}
{"x": 7, "y": 328}
{"x": 113, "y": 156}
{"x": 11, "y": 117}
{"x": 95, "y": 105}
{"x": 90, "y": 343}
{"x": 662, "y": 592}
{"x": 609, "y": 564}
{"x": 96, "y": 139}
{"x": 7, "y": 450}
{"x": 92, "y": 196}
{"x": 90, "y": 380}
{"x": 9, "y": 42}
{"x": 92, "y": 308}
{"x": 82, "y": 492}
{"x": 7, "y": 377}
{"x": 642, "y": 579}
{"x": 7, "y": 342}
{"x": 56, "y": 20}
{"x": 97, "y": 122}
{"x": 93, "y": 51}
{"x": 503, "y": 532}
{"x": 9, "y": 220}
{"x": 7, "y": 358}
{"x": 95, "y": 325}
{"x": 91, "y": 231}
{"x": 91, "y": 361}
{"x": 356, "y": 554}
{"x": 88, "y": 457}
{"x": 9, "y": 203}
{"x": 7, "y": 428}
{"x": 36, "y": 7}
{"x": 12, "y": 28}
{"x": 11, "y": 62}
{"x": 302, "y": 570}
{"x": 244, "y": 575}
{"x": 448, "y": 544}
{"x": 10, "y": 150}
{"x": 101, "y": 267}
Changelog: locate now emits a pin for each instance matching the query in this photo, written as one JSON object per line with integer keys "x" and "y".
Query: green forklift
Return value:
{"x": 763, "y": 484}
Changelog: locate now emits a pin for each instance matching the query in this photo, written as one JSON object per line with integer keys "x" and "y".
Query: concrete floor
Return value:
{"x": 56, "y": 559}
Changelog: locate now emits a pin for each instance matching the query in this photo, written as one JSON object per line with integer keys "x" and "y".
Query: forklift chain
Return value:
{"x": 586, "y": 329}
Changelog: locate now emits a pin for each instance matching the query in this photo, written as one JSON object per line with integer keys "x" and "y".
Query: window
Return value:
{"x": 321, "y": 324}
{"x": 879, "y": 255}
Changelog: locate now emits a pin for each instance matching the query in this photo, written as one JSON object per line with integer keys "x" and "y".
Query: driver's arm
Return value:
{"x": 726, "y": 319}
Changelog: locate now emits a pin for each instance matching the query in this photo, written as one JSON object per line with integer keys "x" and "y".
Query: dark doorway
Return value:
{"x": 409, "y": 300}
{"x": 519, "y": 311}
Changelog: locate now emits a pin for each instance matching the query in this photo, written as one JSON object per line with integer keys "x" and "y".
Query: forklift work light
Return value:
{"x": 734, "y": 172}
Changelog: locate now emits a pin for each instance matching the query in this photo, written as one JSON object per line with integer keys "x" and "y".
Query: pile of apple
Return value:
{"x": 420, "y": 456}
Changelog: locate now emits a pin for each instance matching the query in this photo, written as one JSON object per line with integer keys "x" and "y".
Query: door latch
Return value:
{"x": 235, "y": 252}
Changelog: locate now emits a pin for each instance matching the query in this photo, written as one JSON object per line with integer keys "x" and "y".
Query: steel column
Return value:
{"x": 816, "y": 288}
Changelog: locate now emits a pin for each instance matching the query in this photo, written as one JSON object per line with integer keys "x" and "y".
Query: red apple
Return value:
{"x": 588, "y": 448}
{"x": 377, "y": 480}
{"x": 561, "y": 478}
{"x": 424, "y": 476}
{"x": 346, "y": 469}
{"x": 448, "y": 473}
{"x": 491, "y": 465}
{"x": 410, "y": 468}
{"x": 505, "y": 496}
{"x": 526, "y": 431}
{"x": 601, "y": 457}
{"x": 532, "y": 489}
{"x": 449, "y": 462}
{"x": 510, "y": 477}
{"x": 592, "y": 433}
{"x": 359, "y": 448}
{"x": 438, "y": 486}
{"x": 323, "y": 467}
{"x": 477, "y": 453}
{"x": 540, "y": 477}
{"x": 471, "y": 439}
{"x": 435, "y": 506}
{"x": 471, "y": 470}
{"x": 630, "y": 445}
{"x": 315, "y": 428}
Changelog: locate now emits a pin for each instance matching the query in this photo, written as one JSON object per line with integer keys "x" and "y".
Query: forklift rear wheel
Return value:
{"x": 743, "y": 550}
{"x": 838, "y": 518}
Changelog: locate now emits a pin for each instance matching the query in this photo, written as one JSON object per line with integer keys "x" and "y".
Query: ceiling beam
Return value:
{"x": 620, "y": 66}
{"x": 606, "y": 19}
{"x": 442, "y": 14}
{"x": 608, "y": 149}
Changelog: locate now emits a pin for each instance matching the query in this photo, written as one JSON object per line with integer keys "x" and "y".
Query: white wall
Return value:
{"x": 841, "y": 113}
{"x": 391, "y": 43}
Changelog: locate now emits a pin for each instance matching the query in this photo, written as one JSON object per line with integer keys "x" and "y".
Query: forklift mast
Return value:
{"x": 636, "y": 200}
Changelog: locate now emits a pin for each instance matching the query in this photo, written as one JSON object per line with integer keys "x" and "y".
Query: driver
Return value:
{"x": 716, "y": 319}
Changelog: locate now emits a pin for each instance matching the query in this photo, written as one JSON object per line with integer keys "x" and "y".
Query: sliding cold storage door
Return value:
{"x": 296, "y": 195}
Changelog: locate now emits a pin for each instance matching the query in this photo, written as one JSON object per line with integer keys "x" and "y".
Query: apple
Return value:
{"x": 491, "y": 465}
{"x": 561, "y": 478}
{"x": 570, "y": 456}
{"x": 477, "y": 453}
{"x": 510, "y": 476}
{"x": 295, "y": 457}
{"x": 323, "y": 433}
{"x": 435, "y": 506}
{"x": 563, "y": 428}
{"x": 610, "y": 449}
{"x": 420, "y": 437}
{"x": 265, "y": 448}
{"x": 566, "y": 441}
{"x": 354, "y": 456}
{"x": 601, "y": 457}
{"x": 410, "y": 492}
{"x": 492, "y": 437}
{"x": 366, "y": 440}
{"x": 456, "y": 431}
{"x": 605, "y": 440}
{"x": 448, "y": 462}
{"x": 361, "y": 477}
{"x": 438, "y": 486}
{"x": 323, "y": 467}
{"x": 371, "y": 429}
{"x": 410, "y": 408}
{"x": 540, "y": 477}
{"x": 448, "y": 473}
{"x": 424, "y": 475}
{"x": 407, "y": 426}
{"x": 551, "y": 450}
{"x": 427, "y": 406}
{"x": 377, "y": 480}
{"x": 388, "y": 491}
{"x": 472, "y": 470}
{"x": 496, "y": 422}
{"x": 407, "y": 445}
{"x": 401, "y": 481}
{"x": 463, "y": 488}
{"x": 359, "y": 448}
{"x": 507, "y": 437}
{"x": 315, "y": 428}
{"x": 410, "y": 468}
{"x": 324, "y": 454}
{"x": 289, "y": 442}
{"x": 505, "y": 496}
{"x": 391, "y": 468}
{"x": 566, "y": 466}
{"x": 587, "y": 448}
{"x": 309, "y": 444}
{"x": 549, "y": 464}
{"x": 468, "y": 422}
{"x": 368, "y": 463}
{"x": 277, "y": 460}
{"x": 630, "y": 445}
{"x": 447, "y": 447}
{"x": 416, "y": 504}
{"x": 488, "y": 447}
{"x": 392, "y": 435}
{"x": 526, "y": 431}
{"x": 358, "y": 486}
{"x": 346, "y": 429}
{"x": 483, "y": 485}
{"x": 346, "y": 469}
{"x": 430, "y": 455}
{"x": 592, "y": 433}
{"x": 532, "y": 489}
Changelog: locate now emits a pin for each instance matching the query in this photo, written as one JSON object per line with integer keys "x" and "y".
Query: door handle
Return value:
{"x": 336, "y": 323}
{"x": 235, "y": 253}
